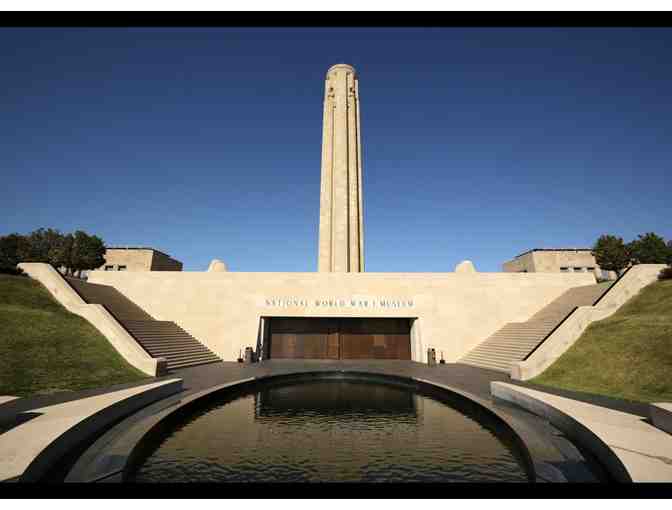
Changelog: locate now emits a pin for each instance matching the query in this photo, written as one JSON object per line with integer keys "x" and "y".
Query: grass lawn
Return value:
{"x": 45, "y": 349}
{"x": 628, "y": 355}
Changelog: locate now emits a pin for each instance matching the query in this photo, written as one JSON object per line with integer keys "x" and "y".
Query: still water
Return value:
{"x": 333, "y": 430}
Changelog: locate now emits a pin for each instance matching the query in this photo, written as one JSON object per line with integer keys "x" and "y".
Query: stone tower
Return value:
{"x": 341, "y": 238}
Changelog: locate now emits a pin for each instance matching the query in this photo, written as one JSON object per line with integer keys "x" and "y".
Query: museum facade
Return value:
{"x": 340, "y": 311}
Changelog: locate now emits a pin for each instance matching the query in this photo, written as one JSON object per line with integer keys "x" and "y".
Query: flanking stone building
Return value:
{"x": 557, "y": 260}
{"x": 138, "y": 259}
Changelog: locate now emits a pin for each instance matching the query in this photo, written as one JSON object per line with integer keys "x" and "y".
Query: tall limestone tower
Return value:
{"x": 341, "y": 238}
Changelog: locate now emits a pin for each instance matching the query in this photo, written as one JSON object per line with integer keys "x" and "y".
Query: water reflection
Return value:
{"x": 332, "y": 430}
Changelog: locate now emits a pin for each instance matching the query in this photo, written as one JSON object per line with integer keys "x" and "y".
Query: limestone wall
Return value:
{"x": 453, "y": 312}
{"x": 134, "y": 260}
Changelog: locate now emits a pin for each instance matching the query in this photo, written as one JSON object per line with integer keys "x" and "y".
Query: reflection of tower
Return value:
{"x": 341, "y": 246}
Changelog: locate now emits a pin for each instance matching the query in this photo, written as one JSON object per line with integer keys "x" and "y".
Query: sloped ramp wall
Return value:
{"x": 97, "y": 315}
{"x": 572, "y": 328}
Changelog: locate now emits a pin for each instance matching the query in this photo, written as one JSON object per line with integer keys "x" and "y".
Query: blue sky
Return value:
{"x": 205, "y": 143}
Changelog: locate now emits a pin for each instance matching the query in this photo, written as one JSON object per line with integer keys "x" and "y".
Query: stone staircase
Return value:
{"x": 161, "y": 339}
{"x": 515, "y": 340}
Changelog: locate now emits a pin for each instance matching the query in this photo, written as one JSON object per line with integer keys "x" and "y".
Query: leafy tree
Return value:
{"x": 75, "y": 252}
{"x": 60, "y": 252}
{"x": 649, "y": 249}
{"x": 10, "y": 247}
{"x": 666, "y": 273}
{"x": 611, "y": 253}
{"x": 86, "y": 252}
{"x": 38, "y": 245}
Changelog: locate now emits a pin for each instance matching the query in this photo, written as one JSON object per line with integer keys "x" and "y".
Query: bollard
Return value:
{"x": 431, "y": 357}
{"x": 249, "y": 355}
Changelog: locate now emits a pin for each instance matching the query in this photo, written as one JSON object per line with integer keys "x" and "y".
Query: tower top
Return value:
{"x": 342, "y": 66}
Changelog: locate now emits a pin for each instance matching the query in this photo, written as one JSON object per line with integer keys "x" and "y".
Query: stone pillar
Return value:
{"x": 341, "y": 241}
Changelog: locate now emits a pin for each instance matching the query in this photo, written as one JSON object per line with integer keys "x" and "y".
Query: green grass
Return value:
{"x": 628, "y": 355}
{"x": 45, "y": 349}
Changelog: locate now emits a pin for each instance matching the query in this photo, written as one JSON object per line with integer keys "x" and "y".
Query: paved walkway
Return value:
{"x": 631, "y": 445}
{"x": 467, "y": 378}
{"x": 615, "y": 404}
{"x": 46, "y": 433}
{"x": 553, "y": 458}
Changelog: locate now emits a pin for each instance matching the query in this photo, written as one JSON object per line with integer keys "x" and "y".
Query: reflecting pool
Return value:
{"x": 333, "y": 430}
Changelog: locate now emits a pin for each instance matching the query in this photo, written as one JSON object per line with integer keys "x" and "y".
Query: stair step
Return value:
{"x": 486, "y": 365}
{"x": 502, "y": 360}
{"x": 523, "y": 331}
{"x": 140, "y": 323}
{"x": 514, "y": 334}
{"x": 173, "y": 366}
{"x": 159, "y": 334}
{"x": 169, "y": 342}
{"x": 529, "y": 329}
{"x": 202, "y": 355}
{"x": 502, "y": 350}
{"x": 190, "y": 362}
{"x": 157, "y": 331}
{"x": 175, "y": 352}
{"x": 166, "y": 337}
{"x": 511, "y": 340}
{"x": 150, "y": 326}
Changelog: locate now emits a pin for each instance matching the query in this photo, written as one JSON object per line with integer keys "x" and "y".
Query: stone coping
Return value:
{"x": 629, "y": 447}
{"x": 661, "y": 415}
{"x": 6, "y": 411}
{"x": 550, "y": 457}
{"x": 617, "y": 404}
{"x": 45, "y": 434}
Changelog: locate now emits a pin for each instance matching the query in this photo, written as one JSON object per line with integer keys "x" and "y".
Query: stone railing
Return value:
{"x": 97, "y": 315}
{"x": 570, "y": 330}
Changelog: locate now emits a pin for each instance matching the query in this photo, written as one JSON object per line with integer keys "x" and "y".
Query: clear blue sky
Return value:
{"x": 205, "y": 143}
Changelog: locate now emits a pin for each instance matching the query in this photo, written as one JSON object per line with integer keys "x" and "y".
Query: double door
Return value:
{"x": 339, "y": 338}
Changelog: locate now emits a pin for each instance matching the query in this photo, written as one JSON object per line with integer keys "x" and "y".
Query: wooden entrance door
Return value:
{"x": 375, "y": 339}
{"x": 326, "y": 338}
{"x": 301, "y": 337}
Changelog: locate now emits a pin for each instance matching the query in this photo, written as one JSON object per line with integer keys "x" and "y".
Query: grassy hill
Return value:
{"x": 628, "y": 355}
{"x": 45, "y": 349}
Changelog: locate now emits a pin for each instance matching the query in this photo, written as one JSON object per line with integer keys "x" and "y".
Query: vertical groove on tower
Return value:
{"x": 360, "y": 230}
{"x": 341, "y": 244}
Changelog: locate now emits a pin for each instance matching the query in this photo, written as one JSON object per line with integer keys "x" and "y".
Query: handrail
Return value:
{"x": 606, "y": 291}
{"x": 550, "y": 333}
{"x": 612, "y": 285}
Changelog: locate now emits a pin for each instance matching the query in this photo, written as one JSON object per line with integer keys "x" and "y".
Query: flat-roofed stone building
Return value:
{"x": 138, "y": 259}
{"x": 557, "y": 260}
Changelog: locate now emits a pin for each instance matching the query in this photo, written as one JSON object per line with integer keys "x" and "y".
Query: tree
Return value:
{"x": 86, "y": 252}
{"x": 10, "y": 247}
{"x": 38, "y": 245}
{"x": 60, "y": 252}
{"x": 649, "y": 249}
{"x": 611, "y": 253}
